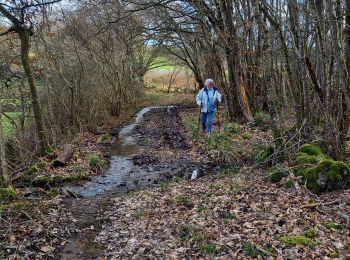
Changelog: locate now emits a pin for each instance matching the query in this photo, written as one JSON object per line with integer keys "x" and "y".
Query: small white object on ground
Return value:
{"x": 194, "y": 175}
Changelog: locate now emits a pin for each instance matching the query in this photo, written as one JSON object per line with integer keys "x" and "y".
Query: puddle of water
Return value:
{"x": 120, "y": 166}
{"x": 126, "y": 146}
{"x": 126, "y": 143}
{"x": 122, "y": 173}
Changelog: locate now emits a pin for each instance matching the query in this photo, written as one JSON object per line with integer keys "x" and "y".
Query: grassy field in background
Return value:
{"x": 167, "y": 77}
{"x": 162, "y": 99}
{"x": 7, "y": 125}
{"x": 162, "y": 64}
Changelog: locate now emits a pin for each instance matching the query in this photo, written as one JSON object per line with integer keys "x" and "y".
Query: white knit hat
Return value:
{"x": 208, "y": 81}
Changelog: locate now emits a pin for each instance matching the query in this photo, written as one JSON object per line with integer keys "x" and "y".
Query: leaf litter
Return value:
{"x": 224, "y": 215}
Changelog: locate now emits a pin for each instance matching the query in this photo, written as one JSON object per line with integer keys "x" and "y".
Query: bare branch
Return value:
{"x": 40, "y": 4}
{"x": 11, "y": 29}
{"x": 9, "y": 16}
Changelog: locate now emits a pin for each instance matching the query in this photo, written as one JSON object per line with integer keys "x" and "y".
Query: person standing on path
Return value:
{"x": 208, "y": 98}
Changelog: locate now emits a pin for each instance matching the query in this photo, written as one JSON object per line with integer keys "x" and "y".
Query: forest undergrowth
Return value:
{"x": 246, "y": 206}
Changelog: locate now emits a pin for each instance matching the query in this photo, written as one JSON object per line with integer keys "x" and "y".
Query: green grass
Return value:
{"x": 184, "y": 200}
{"x": 297, "y": 240}
{"x": 331, "y": 226}
{"x": 164, "y": 63}
{"x": 7, "y": 125}
{"x": 200, "y": 239}
{"x": 96, "y": 162}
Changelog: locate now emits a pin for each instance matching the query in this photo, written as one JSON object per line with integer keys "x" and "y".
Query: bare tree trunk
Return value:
{"x": 338, "y": 145}
{"x": 5, "y": 175}
{"x": 265, "y": 49}
{"x": 285, "y": 49}
{"x": 234, "y": 71}
{"x": 24, "y": 35}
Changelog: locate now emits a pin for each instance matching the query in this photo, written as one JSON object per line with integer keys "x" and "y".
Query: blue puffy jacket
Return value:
{"x": 202, "y": 98}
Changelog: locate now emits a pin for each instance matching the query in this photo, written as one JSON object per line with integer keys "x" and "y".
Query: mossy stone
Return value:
{"x": 7, "y": 194}
{"x": 311, "y": 149}
{"x": 304, "y": 158}
{"x": 275, "y": 174}
{"x": 54, "y": 180}
{"x": 319, "y": 171}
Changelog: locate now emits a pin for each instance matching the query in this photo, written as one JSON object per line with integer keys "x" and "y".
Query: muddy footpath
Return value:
{"x": 148, "y": 151}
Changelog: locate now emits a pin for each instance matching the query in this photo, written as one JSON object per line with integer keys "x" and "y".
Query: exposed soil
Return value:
{"x": 163, "y": 154}
{"x": 151, "y": 210}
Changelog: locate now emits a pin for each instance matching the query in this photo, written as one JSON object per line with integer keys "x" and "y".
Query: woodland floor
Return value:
{"x": 230, "y": 212}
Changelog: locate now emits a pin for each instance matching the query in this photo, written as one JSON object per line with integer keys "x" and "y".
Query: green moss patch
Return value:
{"x": 104, "y": 139}
{"x": 231, "y": 128}
{"x": 288, "y": 184}
{"x": 262, "y": 153}
{"x": 275, "y": 174}
{"x": 319, "y": 171}
{"x": 311, "y": 149}
{"x": 247, "y": 136}
{"x": 334, "y": 254}
{"x": 49, "y": 181}
{"x": 297, "y": 240}
{"x": 250, "y": 250}
{"x": 7, "y": 194}
{"x": 333, "y": 226}
{"x": 346, "y": 245}
{"x": 310, "y": 233}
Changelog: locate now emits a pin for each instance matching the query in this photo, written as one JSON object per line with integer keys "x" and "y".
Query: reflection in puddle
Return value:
{"x": 125, "y": 146}
{"x": 122, "y": 174}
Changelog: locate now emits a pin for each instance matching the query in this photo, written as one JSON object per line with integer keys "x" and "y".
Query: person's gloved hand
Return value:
{"x": 216, "y": 103}
{"x": 201, "y": 105}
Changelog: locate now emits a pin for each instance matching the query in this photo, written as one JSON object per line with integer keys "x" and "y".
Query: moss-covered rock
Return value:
{"x": 36, "y": 167}
{"x": 55, "y": 180}
{"x": 310, "y": 149}
{"x": 304, "y": 158}
{"x": 7, "y": 194}
{"x": 319, "y": 171}
{"x": 275, "y": 174}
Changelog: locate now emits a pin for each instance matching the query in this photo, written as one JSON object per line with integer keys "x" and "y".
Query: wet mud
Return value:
{"x": 149, "y": 150}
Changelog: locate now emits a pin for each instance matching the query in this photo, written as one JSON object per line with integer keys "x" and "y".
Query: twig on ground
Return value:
{"x": 264, "y": 251}
{"x": 314, "y": 205}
